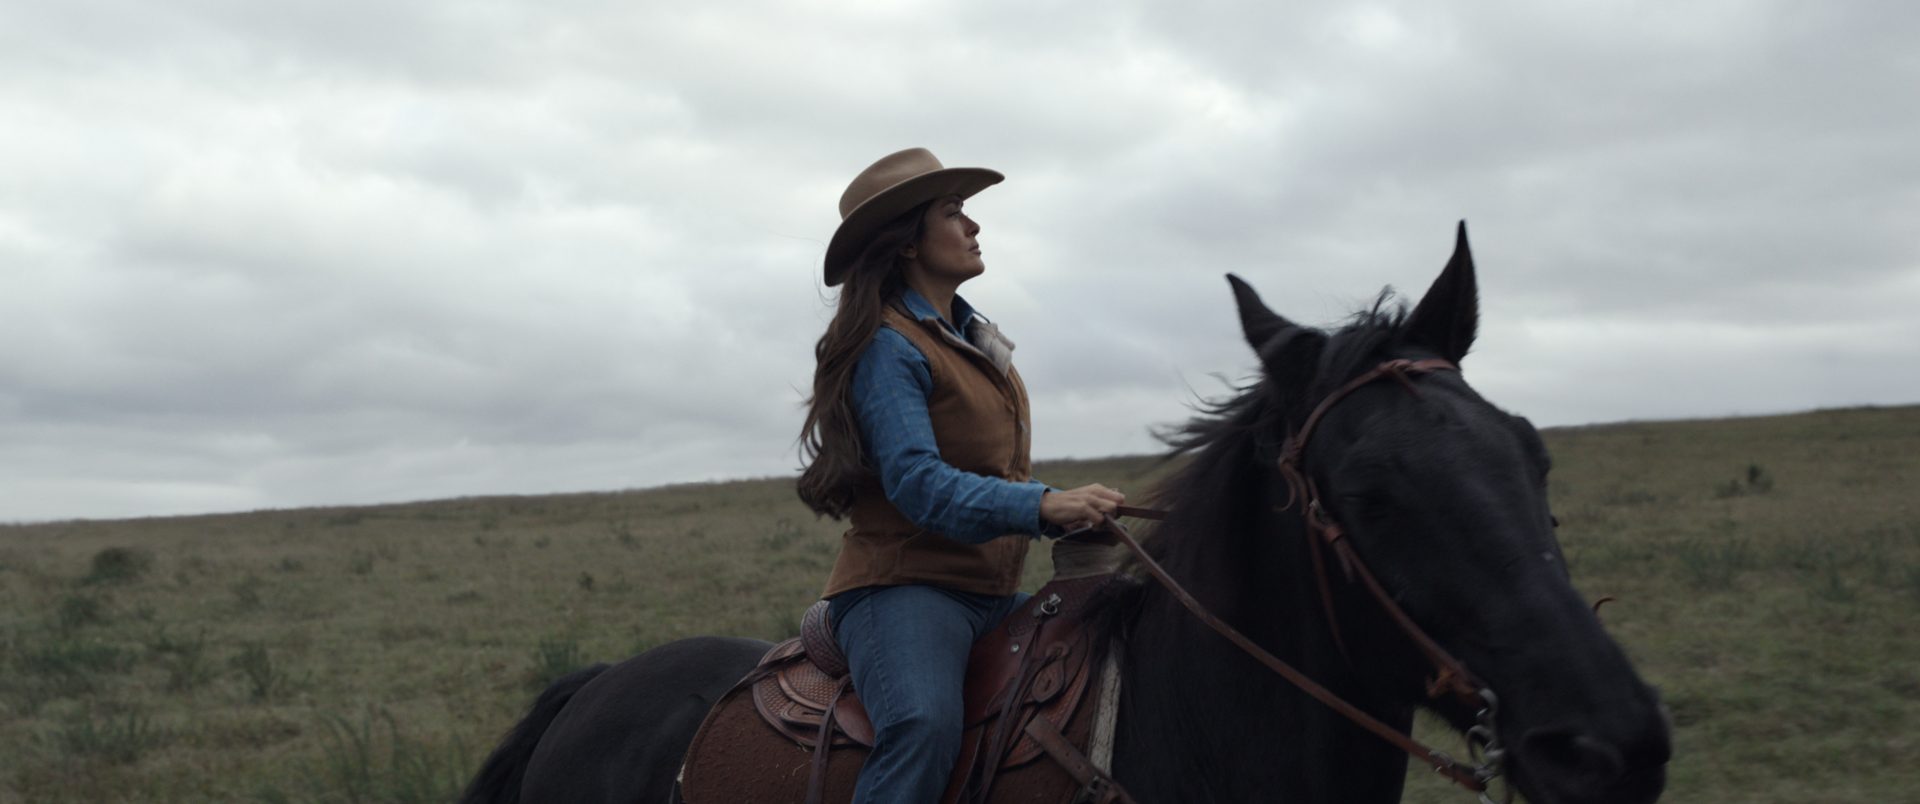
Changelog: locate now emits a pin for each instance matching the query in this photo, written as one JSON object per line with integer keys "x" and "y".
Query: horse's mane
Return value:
{"x": 1228, "y": 441}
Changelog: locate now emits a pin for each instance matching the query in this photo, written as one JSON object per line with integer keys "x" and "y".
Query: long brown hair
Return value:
{"x": 834, "y": 455}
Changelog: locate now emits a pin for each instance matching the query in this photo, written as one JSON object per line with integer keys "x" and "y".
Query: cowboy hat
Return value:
{"x": 886, "y": 189}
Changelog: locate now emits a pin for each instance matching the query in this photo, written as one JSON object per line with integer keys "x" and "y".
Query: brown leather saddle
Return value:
{"x": 805, "y": 730}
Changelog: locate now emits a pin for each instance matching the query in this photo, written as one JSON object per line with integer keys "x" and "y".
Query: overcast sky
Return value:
{"x": 261, "y": 255}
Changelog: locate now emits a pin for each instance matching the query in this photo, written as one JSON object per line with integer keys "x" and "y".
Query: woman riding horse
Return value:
{"x": 918, "y": 432}
{"x": 1358, "y": 512}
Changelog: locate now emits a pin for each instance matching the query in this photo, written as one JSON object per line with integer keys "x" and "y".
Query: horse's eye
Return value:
{"x": 1359, "y": 503}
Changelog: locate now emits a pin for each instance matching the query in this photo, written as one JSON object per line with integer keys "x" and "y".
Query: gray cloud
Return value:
{"x": 308, "y": 253}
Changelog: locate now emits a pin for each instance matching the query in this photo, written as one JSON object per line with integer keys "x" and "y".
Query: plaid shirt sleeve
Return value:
{"x": 890, "y": 387}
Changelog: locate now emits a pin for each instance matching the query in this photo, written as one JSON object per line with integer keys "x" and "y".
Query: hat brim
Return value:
{"x": 894, "y": 201}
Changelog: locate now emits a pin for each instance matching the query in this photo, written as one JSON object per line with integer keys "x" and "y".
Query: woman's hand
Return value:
{"x": 1083, "y": 507}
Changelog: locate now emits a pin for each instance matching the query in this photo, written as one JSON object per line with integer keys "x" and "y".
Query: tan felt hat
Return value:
{"x": 897, "y": 183}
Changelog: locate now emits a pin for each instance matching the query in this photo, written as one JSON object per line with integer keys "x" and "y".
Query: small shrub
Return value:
{"x": 586, "y": 581}
{"x": 622, "y": 530}
{"x": 119, "y": 740}
{"x": 542, "y": 542}
{"x": 185, "y": 661}
{"x": 290, "y": 564}
{"x": 162, "y": 642}
{"x": 119, "y": 565}
{"x": 1757, "y": 480}
{"x": 78, "y": 611}
{"x": 360, "y": 563}
{"x": 247, "y": 593}
{"x": 554, "y": 658}
{"x": 1834, "y": 588}
{"x": 264, "y": 681}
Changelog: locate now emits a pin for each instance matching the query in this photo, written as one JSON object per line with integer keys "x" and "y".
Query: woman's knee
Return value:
{"x": 934, "y": 738}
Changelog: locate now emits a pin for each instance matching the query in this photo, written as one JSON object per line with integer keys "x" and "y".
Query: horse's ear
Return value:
{"x": 1289, "y": 352}
{"x": 1258, "y": 322}
{"x": 1449, "y": 315}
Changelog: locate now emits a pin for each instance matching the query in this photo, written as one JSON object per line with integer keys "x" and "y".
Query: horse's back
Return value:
{"x": 627, "y": 730}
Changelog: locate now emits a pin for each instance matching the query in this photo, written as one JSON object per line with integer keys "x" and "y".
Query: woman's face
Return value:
{"x": 949, "y": 248}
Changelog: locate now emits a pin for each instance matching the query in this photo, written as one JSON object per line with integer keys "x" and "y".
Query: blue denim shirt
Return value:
{"x": 890, "y": 387}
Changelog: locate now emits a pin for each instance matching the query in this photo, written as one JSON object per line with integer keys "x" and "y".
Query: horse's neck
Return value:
{"x": 1201, "y": 720}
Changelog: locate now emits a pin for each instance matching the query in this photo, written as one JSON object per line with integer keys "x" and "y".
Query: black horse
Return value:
{"x": 1440, "y": 493}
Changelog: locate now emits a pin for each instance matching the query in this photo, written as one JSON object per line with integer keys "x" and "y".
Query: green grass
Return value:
{"x": 113, "y": 739}
{"x": 553, "y": 658}
{"x": 1767, "y": 576}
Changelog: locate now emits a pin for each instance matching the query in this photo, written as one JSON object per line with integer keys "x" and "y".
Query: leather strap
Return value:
{"x": 1097, "y": 533}
{"x": 1016, "y": 692}
{"x": 1440, "y": 762}
{"x": 1096, "y": 787}
{"x": 1397, "y": 369}
{"x": 817, "y": 778}
{"x": 1450, "y": 675}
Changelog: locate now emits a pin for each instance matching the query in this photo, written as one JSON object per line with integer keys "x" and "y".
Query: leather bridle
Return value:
{"x": 1450, "y": 675}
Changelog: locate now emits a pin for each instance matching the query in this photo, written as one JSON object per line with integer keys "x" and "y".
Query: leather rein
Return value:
{"x": 1450, "y": 676}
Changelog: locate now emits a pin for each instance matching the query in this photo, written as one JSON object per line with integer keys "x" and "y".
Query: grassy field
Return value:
{"x": 1767, "y": 573}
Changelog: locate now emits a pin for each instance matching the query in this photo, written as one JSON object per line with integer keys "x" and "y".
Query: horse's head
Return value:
{"x": 1444, "y": 497}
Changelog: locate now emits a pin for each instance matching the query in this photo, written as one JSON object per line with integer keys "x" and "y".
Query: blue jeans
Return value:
{"x": 907, "y": 650}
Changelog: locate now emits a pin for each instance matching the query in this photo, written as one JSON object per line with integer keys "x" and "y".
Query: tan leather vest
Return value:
{"x": 980, "y": 424}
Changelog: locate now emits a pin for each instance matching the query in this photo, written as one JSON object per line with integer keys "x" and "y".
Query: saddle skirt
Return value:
{"x": 761, "y": 742}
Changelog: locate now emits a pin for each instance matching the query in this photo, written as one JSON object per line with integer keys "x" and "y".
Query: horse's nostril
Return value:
{"x": 1573, "y": 754}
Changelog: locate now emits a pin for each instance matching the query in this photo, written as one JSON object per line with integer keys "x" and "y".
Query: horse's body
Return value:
{"x": 1441, "y": 494}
